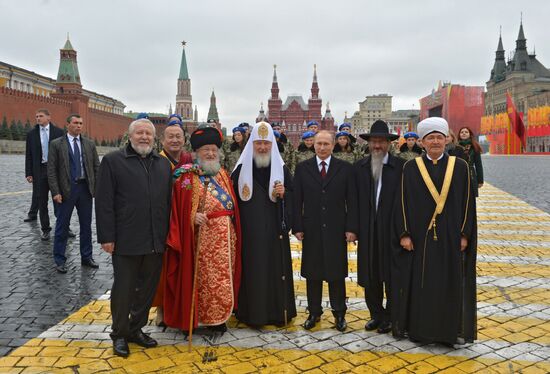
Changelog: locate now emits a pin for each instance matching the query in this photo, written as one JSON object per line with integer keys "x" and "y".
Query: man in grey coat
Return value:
{"x": 72, "y": 169}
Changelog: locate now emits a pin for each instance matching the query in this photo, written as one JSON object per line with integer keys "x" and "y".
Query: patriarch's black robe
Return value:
{"x": 264, "y": 295}
{"x": 434, "y": 286}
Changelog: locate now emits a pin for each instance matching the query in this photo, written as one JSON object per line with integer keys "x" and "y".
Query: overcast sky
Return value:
{"x": 131, "y": 50}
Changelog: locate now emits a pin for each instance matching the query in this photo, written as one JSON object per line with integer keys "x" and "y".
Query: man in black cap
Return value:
{"x": 377, "y": 176}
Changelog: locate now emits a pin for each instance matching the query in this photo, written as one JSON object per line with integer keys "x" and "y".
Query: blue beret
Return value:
{"x": 342, "y": 133}
{"x": 410, "y": 134}
{"x": 175, "y": 115}
{"x": 244, "y": 124}
{"x": 142, "y": 115}
{"x": 308, "y": 134}
{"x": 345, "y": 124}
{"x": 175, "y": 122}
{"x": 277, "y": 134}
{"x": 312, "y": 123}
{"x": 242, "y": 130}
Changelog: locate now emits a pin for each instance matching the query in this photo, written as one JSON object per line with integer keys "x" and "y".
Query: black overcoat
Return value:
{"x": 132, "y": 204}
{"x": 324, "y": 210}
{"x": 368, "y": 216}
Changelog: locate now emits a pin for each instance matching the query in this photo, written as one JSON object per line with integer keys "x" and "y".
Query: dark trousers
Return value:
{"x": 81, "y": 199}
{"x": 43, "y": 195}
{"x": 374, "y": 290}
{"x": 336, "y": 292}
{"x": 33, "y": 210}
{"x": 135, "y": 283}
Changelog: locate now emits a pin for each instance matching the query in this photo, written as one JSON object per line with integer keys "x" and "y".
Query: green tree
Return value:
{"x": 4, "y": 129}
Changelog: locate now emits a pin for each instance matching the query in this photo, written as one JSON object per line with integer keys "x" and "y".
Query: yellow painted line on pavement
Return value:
{"x": 2, "y": 194}
{"x": 60, "y": 356}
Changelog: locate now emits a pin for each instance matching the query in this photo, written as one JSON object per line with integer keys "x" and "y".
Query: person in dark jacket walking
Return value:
{"x": 325, "y": 219}
{"x": 133, "y": 197}
{"x": 378, "y": 176}
{"x": 72, "y": 169}
{"x": 36, "y": 166}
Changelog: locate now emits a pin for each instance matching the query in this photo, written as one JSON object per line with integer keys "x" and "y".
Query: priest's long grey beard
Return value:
{"x": 262, "y": 160}
{"x": 377, "y": 163}
{"x": 210, "y": 168}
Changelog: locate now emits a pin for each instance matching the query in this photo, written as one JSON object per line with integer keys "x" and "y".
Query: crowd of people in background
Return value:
{"x": 199, "y": 226}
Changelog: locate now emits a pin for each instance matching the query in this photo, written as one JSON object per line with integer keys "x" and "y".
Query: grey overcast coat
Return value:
{"x": 59, "y": 168}
{"x": 324, "y": 210}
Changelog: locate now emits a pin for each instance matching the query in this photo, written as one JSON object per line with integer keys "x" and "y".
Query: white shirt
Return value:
{"x": 44, "y": 132}
{"x": 71, "y": 142}
{"x": 379, "y": 187}
{"x": 439, "y": 158}
{"x": 327, "y": 162}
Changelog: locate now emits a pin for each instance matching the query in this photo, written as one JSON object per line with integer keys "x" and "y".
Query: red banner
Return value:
{"x": 516, "y": 119}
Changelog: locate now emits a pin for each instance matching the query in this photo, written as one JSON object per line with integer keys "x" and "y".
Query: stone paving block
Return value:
{"x": 308, "y": 362}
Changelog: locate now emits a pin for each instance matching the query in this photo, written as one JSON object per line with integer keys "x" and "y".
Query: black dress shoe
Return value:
{"x": 120, "y": 347}
{"x": 384, "y": 327}
{"x": 45, "y": 235}
{"x": 143, "y": 340}
{"x": 373, "y": 324}
{"x": 218, "y": 328}
{"x": 30, "y": 218}
{"x": 90, "y": 263}
{"x": 311, "y": 321}
{"x": 340, "y": 323}
{"x": 61, "y": 269}
{"x": 71, "y": 234}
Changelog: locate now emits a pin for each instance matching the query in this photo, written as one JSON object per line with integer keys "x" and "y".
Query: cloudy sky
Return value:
{"x": 131, "y": 50}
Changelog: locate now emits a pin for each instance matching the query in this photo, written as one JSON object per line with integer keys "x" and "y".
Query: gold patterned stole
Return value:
{"x": 439, "y": 198}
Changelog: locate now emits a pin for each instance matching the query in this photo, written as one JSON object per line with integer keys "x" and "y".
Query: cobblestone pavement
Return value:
{"x": 513, "y": 311}
{"x": 526, "y": 177}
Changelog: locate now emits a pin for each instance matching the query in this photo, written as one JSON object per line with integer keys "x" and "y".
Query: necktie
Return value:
{"x": 323, "y": 169}
{"x": 44, "y": 139}
{"x": 76, "y": 153}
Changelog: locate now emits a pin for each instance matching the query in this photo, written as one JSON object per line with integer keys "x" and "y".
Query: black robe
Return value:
{"x": 371, "y": 219}
{"x": 263, "y": 294}
{"x": 434, "y": 286}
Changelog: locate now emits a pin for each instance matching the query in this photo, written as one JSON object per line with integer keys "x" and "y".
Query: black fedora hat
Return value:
{"x": 379, "y": 128}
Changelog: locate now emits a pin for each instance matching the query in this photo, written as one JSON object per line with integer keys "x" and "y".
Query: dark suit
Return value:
{"x": 373, "y": 252}
{"x": 75, "y": 190}
{"x": 325, "y": 209}
{"x": 35, "y": 168}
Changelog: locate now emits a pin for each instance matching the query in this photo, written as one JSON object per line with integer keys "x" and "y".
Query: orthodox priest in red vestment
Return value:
{"x": 204, "y": 237}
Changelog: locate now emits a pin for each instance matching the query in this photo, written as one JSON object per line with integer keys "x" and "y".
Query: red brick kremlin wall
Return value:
{"x": 99, "y": 125}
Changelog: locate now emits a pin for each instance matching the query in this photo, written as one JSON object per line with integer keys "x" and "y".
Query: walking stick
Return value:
{"x": 196, "y": 266}
{"x": 283, "y": 230}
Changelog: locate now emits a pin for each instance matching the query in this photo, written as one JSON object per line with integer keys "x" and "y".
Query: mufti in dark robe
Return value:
{"x": 434, "y": 251}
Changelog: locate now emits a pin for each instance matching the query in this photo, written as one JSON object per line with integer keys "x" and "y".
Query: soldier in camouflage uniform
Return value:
{"x": 288, "y": 150}
{"x": 235, "y": 148}
{"x": 410, "y": 149}
{"x": 344, "y": 148}
{"x": 305, "y": 149}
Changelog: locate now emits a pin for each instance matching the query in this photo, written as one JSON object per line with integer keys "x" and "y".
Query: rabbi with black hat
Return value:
{"x": 377, "y": 177}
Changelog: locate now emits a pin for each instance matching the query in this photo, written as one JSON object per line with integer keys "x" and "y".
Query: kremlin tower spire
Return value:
{"x": 184, "y": 100}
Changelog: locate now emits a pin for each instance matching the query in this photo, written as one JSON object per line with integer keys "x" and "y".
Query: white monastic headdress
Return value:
{"x": 432, "y": 124}
{"x": 260, "y": 131}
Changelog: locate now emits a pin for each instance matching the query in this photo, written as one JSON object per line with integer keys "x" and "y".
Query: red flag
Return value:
{"x": 516, "y": 119}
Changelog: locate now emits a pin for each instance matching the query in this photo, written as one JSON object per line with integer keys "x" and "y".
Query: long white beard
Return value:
{"x": 377, "y": 164}
{"x": 210, "y": 168}
{"x": 263, "y": 160}
{"x": 142, "y": 150}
